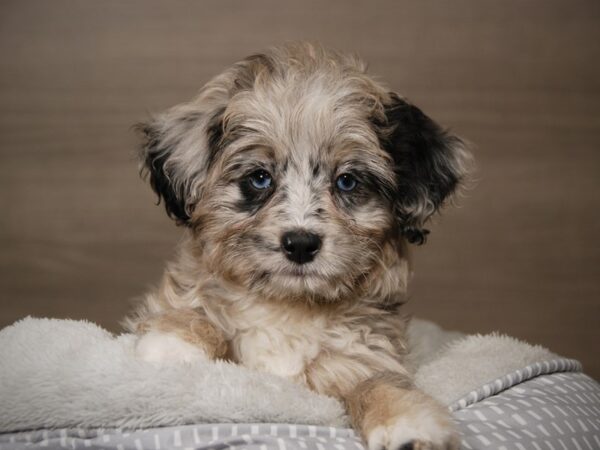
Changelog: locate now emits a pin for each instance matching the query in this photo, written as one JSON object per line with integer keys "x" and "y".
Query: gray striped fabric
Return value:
{"x": 514, "y": 378}
{"x": 540, "y": 407}
{"x": 559, "y": 411}
{"x": 218, "y": 436}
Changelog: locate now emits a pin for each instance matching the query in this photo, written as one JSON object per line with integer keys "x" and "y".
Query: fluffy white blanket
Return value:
{"x": 62, "y": 373}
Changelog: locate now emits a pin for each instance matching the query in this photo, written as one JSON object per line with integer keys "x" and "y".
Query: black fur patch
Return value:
{"x": 424, "y": 157}
{"x": 315, "y": 167}
{"x": 318, "y": 213}
{"x": 377, "y": 185}
{"x": 155, "y": 156}
{"x": 214, "y": 133}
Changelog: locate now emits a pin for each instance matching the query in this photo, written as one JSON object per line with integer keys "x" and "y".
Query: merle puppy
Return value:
{"x": 300, "y": 180}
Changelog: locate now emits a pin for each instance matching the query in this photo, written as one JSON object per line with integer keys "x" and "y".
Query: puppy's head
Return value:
{"x": 294, "y": 169}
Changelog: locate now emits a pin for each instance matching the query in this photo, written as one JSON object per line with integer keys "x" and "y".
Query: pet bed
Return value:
{"x": 67, "y": 384}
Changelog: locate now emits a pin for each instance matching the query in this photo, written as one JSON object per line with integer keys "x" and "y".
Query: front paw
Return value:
{"x": 392, "y": 415}
{"x": 421, "y": 427}
{"x": 414, "y": 432}
{"x": 167, "y": 348}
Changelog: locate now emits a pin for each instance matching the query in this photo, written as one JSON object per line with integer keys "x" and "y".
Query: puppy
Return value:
{"x": 300, "y": 180}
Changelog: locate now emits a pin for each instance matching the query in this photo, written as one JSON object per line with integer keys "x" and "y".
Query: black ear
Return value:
{"x": 429, "y": 164}
{"x": 176, "y": 150}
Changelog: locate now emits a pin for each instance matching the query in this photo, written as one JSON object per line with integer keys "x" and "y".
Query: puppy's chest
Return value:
{"x": 278, "y": 342}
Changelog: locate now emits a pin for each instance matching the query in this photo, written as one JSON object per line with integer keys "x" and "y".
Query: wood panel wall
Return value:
{"x": 80, "y": 234}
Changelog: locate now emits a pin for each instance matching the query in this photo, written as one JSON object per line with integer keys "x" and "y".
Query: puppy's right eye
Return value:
{"x": 260, "y": 179}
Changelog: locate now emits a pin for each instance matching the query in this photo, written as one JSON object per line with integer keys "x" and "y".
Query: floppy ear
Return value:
{"x": 177, "y": 148}
{"x": 429, "y": 163}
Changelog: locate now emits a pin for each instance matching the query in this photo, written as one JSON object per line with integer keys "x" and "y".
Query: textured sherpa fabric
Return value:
{"x": 58, "y": 373}
{"x": 449, "y": 365}
{"x": 61, "y": 373}
{"x": 467, "y": 363}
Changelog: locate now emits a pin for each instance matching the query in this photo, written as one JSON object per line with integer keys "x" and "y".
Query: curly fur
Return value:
{"x": 306, "y": 115}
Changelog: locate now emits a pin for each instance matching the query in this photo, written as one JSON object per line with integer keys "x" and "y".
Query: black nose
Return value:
{"x": 300, "y": 246}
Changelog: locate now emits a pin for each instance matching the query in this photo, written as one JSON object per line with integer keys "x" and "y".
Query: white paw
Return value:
{"x": 167, "y": 348}
{"x": 416, "y": 431}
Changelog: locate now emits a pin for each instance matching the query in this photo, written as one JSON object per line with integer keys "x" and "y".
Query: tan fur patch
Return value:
{"x": 389, "y": 397}
{"x": 190, "y": 326}
{"x": 377, "y": 400}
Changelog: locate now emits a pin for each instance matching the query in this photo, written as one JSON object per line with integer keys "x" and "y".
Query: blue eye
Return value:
{"x": 346, "y": 182}
{"x": 261, "y": 179}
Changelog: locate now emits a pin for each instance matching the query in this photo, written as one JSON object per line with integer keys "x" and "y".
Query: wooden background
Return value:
{"x": 80, "y": 235}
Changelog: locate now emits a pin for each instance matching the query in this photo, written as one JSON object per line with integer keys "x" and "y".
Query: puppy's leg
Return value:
{"x": 392, "y": 414}
{"x": 179, "y": 335}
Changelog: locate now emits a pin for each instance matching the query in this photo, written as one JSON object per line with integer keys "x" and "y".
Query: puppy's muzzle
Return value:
{"x": 300, "y": 246}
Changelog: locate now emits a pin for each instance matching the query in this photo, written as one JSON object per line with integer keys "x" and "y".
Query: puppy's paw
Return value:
{"x": 414, "y": 432}
{"x": 167, "y": 348}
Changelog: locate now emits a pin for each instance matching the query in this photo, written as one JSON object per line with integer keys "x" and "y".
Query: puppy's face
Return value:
{"x": 297, "y": 199}
{"x": 294, "y": 169}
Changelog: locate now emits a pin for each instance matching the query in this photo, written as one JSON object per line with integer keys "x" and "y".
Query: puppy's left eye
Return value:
{"x": 346, "y": 182}
{"x": 260, "y": 179}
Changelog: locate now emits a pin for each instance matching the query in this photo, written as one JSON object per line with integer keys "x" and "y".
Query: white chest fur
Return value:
{"x": 279, "y": 341}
